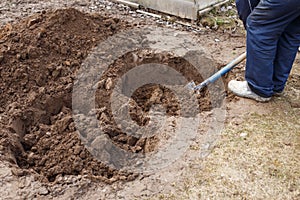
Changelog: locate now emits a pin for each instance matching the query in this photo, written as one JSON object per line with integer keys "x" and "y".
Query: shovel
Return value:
{"x": 217, "y": 75}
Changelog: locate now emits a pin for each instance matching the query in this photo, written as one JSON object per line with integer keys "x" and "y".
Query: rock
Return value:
{"x": 108, "y": 84}
{"x": 19, "y": 56}
{"x": 48, "y": 134}
{"x": 31, "y": 22}
{"x": 68, "y": 63}
{"x": 244, "y": 134}
{"x": 135, "y": 58}
{"x": 18, "y": 172}
{"x": 42, "y": 190}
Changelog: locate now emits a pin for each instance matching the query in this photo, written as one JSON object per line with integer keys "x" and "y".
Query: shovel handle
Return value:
{"x": 221, "y": 72}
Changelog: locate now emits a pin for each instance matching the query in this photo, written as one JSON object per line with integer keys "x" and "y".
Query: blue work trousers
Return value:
{"x": 244, "y": 8}
{"x": 273, "y": 38}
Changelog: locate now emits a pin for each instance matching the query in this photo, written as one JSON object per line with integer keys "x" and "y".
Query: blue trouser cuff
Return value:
{"x": 256, "y": 91}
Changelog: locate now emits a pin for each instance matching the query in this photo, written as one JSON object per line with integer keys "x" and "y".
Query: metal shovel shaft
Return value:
{"x": 221, "y": 72}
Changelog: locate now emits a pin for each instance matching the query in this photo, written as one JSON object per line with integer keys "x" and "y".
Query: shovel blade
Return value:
{"x": 191, "y": 86}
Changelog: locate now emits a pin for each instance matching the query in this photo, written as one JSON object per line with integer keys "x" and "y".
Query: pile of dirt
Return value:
{"x": 39, "y": 58}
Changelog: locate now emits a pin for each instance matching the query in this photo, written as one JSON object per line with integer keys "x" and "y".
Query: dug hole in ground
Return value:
{"x": 42, "y": 156}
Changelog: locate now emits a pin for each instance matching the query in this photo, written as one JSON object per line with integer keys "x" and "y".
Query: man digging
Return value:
{"x": 273, "y": 38}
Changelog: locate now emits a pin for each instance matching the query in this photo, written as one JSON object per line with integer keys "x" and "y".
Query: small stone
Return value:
{"x": 135, "y": 58}
{"x": 108, "y": 84}
{"x": 32, "y": 22}
{"x": 17, "y": 172}
{"x": 19, "y": 56}
{"x": 123, "y": 178}
{"x": 34, "y": 149}
{"x": 43, "y": 190}
{"x": 48, "y": 133}
{"x": 68, "y": 63}
{"x": 243, "y": 134}
{"x": 31, "y": 158}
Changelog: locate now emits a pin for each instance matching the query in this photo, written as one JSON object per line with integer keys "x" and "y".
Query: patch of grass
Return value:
{"x": 256, "y": 159}
{"x": 217, "y": 22}
{"x": 221, "y": 18}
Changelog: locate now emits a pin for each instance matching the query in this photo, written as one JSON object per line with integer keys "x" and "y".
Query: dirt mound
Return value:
{"x": 39, "y": 58}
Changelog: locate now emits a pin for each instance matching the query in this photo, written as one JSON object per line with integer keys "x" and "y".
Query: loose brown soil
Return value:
{"x": 43, "y": 157}
{"x": 144, "y": 97}
{"x": 39, "y": 60}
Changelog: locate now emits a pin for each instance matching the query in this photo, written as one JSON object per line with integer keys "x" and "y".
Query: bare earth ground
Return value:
{"x": 256, "y": 155}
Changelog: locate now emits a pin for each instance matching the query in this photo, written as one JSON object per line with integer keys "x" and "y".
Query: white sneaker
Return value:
{"x": 241, "y": 88}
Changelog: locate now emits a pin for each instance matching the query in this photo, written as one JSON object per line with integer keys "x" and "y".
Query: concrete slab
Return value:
{"x": 182, "y": 8}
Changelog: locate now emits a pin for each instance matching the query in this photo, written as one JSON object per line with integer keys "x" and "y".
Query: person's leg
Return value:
{"x": 244, "y": 8}
{"x": 286, "y": 53}
{"x": 265, "y": 25}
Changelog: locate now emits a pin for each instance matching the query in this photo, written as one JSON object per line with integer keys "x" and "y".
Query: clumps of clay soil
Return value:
{"x": 39, "y": 57}
{"x": 143, "y": 98}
